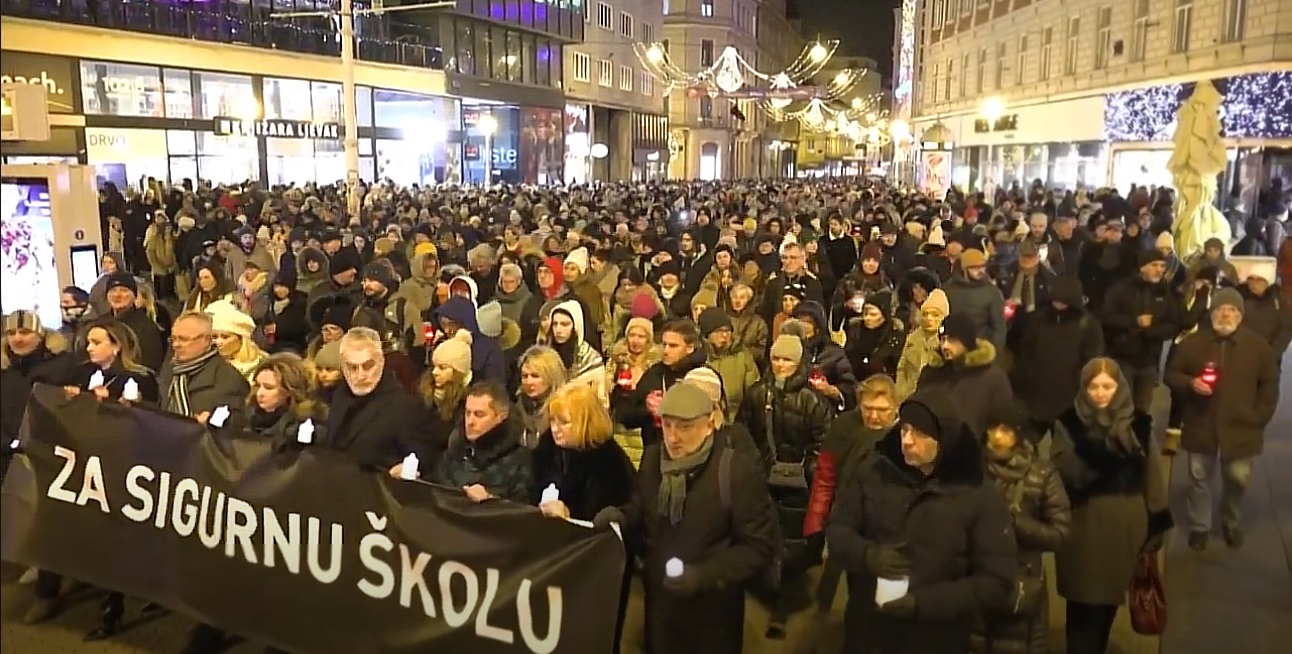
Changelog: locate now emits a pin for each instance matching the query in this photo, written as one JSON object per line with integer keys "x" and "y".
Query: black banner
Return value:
{"x": 302, "y": 551}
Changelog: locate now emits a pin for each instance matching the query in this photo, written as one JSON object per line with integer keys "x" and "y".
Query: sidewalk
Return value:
{"x": 1237, "y": 602}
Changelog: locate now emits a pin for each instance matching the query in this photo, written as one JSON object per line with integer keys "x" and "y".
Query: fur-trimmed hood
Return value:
{"x": 982, "y": 355}
{"x": 54, "y": 341}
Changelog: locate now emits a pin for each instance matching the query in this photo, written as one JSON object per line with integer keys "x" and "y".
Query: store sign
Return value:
{"x": 56, "y": 74}
{"x": 276, "y": 128}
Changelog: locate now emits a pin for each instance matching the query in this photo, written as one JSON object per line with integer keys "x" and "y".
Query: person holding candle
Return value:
{"x": 1228, "y": 378}
{"x": 681, "y": 351}
{"x": 705, "y": 525}
{"x": 829, "y": 371}
{"x": 628, "y": 361}
{"x": 485, "y": 457}
{"x": 923, "y": 535}
{"x": 282, "y": 399}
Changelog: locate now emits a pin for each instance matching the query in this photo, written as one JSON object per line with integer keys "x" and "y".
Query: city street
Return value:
{"x": 1219, "y": 601}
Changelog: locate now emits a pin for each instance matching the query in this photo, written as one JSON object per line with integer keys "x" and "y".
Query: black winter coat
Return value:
{"x": 49, "y": 364}
{"x": 1125, "y": 340}
{"x": 497, "y": 460}
{"x": 1052, "y": 351}
{"x": 152, "y": 346}
{"x": 629, "y": 407}
{"x": 957, "y": 529}
{"x": 727, "y": 548}
{"x": 823, "y": 354}
{"x": 874, "y": 353}
{"x": 589, "y": 480}
{"x": 291, "y": 325}
{"x": 114, "y": 379}
{"x": 975, "y": 383}
{"x": 809, "y": 285}
{"x": 282, "y": 427}
{"x": 379, "y": 429}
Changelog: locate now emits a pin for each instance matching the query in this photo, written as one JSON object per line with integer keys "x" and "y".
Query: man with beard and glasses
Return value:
{"x": 1228, "y": 377}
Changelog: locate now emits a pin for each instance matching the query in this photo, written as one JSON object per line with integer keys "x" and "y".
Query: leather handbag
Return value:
{"x": 1147, "y": 598}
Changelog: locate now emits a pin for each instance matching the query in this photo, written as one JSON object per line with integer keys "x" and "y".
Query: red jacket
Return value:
{"x": 824, "y": 483}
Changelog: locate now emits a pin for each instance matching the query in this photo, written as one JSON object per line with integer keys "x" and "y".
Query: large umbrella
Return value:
{"x": 1199, "y": 157}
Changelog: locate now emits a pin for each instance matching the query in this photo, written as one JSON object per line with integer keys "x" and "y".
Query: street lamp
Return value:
{"x": 991, "y": 110}
{"x": 655, "y": 53}
{"x": 818, "y": 53}
{"x": 487, "y": 125}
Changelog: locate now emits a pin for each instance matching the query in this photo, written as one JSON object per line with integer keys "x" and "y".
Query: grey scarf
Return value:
{"x": 673, "y": 472}
{"x": 1112, "y": 424}
{"x": 177, "y": 394}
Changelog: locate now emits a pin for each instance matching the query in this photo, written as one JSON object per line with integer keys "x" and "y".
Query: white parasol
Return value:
{"x": 1198, "y": 158}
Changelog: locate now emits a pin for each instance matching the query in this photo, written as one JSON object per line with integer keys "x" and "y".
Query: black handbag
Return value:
{"x": 783, "y": 474}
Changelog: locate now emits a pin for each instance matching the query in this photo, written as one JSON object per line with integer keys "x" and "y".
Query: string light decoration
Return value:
{"x": 731, "y": 73}
{"x": 1256, "y": 105}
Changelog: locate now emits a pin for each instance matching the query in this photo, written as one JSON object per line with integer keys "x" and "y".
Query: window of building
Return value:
{"x": 964, "y": 76}
{"x": 647, "y": 84}
{"x": 1047, "y": 53}
{"x": 949, "y": 12}
{"x": 937, "y": 70}
{"x": 228, "y": 95}
{"x": 982, "y": 70}
{"x": 1020, "y": 61}
{"x": 287, "y": 99}
{"x": 464, "y": 40}
{"x": 606, "y": 75}
{"x": 582, "y": 67}
{"x": 706, "y": 108}
{"x": 648, "y": 33}
{"x": 936, "y": 18}
{"x": 121, "y": 89}
{"x": 1183, "y": 26}
{"x": 1104, "y": 38}
{"x": 326, "y": 99}
{"x": 625, "y": 25}
{"x": 1235, "y": 20}
{"x": 1074, "y": 43}
{"x": 627, "y": 76}
{"x": 178, "y": 85}
{"x": 605, "y": 16}
{"x": 1139, "y": 31}
{"x": 946, "y": 81}
{"x": 1002, "y": 50}
{"x": 966, "y": 7}
{"x": 706, "y": 8}
{"x": 667, "y": 10}
{"x": 706, "y": 52}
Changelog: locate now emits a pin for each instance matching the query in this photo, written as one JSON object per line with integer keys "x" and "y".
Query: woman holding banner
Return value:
{"x": 282, "y": 404}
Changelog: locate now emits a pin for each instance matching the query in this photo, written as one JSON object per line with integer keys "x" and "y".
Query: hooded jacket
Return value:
{"x": 823, "y": 354}
{"x": 977, "y": 386}
{"x": 487, "y": 360}
{"x": 587, "y": 364}
{"x": 982, "y": 301}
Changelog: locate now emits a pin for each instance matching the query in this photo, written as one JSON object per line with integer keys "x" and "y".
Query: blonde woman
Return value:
{"x": 231, "y": 330}
{"x": 443, "y": 387}
{"x": 541, "y": 373}
{"x": 630, "y": 358}
{"x": 146, "y": 299}
{"x": 282, "y": 399}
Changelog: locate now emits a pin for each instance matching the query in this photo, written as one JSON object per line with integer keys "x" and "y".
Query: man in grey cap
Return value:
{"x": 1228, "y": 379}
{"x": 707, "y": 525}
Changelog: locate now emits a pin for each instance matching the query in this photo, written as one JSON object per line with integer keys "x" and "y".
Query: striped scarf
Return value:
{"x": 177, "y": 394}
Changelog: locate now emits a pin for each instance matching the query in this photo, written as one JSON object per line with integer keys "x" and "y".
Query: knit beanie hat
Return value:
{"x": 381, "y": 271}
{"x": 713, "y": 319}
{"x": 329, "y": 356}
{"x": 1165, "y": 240}
{"x": 228, "y": 319}
{"x": 578, "y": 257}
{"x": 960, "y": 327}
{"x": 707, "y": 379}
{"x": 788, "y": 347}
{"x": 455, "y": 352}
{"x": 642, "y": 324}
{"x": 1227, "y": 296}
{"x": 937, "y": 300}
{"x": 1148, "y": 257}
{"x": 23, "y": 319}
{"x": 644, "y": 306}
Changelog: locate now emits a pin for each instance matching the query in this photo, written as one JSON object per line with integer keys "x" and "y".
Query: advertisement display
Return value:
{"x": 28, "y": 257}
{"x": 936, "y": 168}
{"x": 501, "y": 147}
{"x": 578, "y": 140}
{"x": 124, "y": 156}
{"x": 542, "y": 145}
{"x": 56, "y": 74}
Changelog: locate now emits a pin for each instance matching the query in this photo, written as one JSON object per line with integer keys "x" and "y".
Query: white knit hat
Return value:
{"x": 455, "y": 353}
{"x": 578, "y": 257}
{"x": 228, "y": 319}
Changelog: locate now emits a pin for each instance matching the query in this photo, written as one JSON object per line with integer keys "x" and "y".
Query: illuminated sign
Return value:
{"x": 276, "y": 128}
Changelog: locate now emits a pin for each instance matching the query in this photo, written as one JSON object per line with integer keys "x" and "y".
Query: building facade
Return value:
{"x": 610, "y": 98}
{"x": 1085, "y": 91}
{"x": 716, "y": 137}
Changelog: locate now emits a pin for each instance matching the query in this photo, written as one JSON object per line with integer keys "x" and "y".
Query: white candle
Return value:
{"x": 408, "y": 471}
{"x": 550, "y": 494}
{"x": 218, "y": 416}
{"x": 305, "y": 433}
{"x": 131, "y": 391}
{"x": 674, "y": 567}
{"x": 96, "y": 380}
{"x": 888, "y": 590}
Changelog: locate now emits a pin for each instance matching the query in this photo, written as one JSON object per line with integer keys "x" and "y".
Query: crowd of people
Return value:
{"x": 738, "y": 374}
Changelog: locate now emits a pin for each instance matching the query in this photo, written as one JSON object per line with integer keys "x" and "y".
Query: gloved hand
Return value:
{"x": 684, "y": 585}
{"x": 902, "y": 607}
{"x": 606, "y": 516}
{"x": 888, "y": 560}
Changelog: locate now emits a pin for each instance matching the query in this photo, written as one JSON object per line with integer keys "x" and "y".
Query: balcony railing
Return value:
{"x": 228, "y": 21}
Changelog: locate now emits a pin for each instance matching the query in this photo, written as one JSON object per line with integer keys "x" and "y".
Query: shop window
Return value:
{"x": 178, "y": 85}
{"x": 181, "y": 141}
{"x": 287, "y": 99}
{"x": 465, "y": 44}
{"x": 400, "y": 110}
{"x": 228, "y": 95}
{"x": 710, "y": 162}
{"x": 364, "y": 100}
{"x": 183, "y": 168}
{"x": 327, "y": 102}
{"x": 121, "y": 89}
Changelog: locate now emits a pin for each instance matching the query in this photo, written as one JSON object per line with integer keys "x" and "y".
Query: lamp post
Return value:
{"x": 487, "y": 126}
{"x": 991, "y": 110}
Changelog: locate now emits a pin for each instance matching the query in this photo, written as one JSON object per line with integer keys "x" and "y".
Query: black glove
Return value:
{"x": 606, "y": 516}
{"x": 683, "y": 585}
{"x": 902, "y": 607}
{"x": 889, "y": 561}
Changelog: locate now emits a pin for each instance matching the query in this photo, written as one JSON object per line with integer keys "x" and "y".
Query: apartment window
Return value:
{"x": 1235, "y": 20}
{"x": 948, "y": 12}
{"x": 1139, "y": 31}
{"x": 946, "y": 81}
{"x": 665, "y": 44}
{"x": 648, "y": 33}
{"x": 706, "y": 52}
{"x": 606, "y": 75}
{"x": 1001, "y": 52}
{"x": 964, "y": 76}
{"x": 625, "y": 25}
{"x": 982, "y": 70}
{"x": 937, "y": 70}
{"x": 966, "y": 7}
{"x": 1020, "y": 61}
{"x": 937, "y": 12}
{"x": 626, "y": 78}
{"x": 706, "y": 8}
{"x": 647, "y": 84}
{"x": 582, "y": 67}
{"x": 1047, "y": 53}
{"x": 1183, "y": 25}
{"x": 1074, "y": 43}
{"x": 667, "y": 10}
{"x": 1104, "y": 38}
{"x": 605, "y": 16}
{"x": 706, "y": 108}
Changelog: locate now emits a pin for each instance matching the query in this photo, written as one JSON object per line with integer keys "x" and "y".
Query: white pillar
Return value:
{"x": 349, "y": 104}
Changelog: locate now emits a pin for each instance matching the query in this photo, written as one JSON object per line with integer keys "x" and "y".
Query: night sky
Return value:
{"x": 864, "y": 26}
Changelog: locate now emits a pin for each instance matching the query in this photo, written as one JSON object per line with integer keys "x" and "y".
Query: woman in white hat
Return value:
{"x": 231, "y": 330}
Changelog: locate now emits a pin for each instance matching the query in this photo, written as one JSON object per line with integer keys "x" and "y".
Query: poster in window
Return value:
{"x": 542, "y": 145}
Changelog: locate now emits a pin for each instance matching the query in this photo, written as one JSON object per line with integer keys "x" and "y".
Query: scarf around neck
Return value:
{"x": 673, "y": 472}
{"x": 1112, "y": 424}
{"x": 177, "y": 394}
